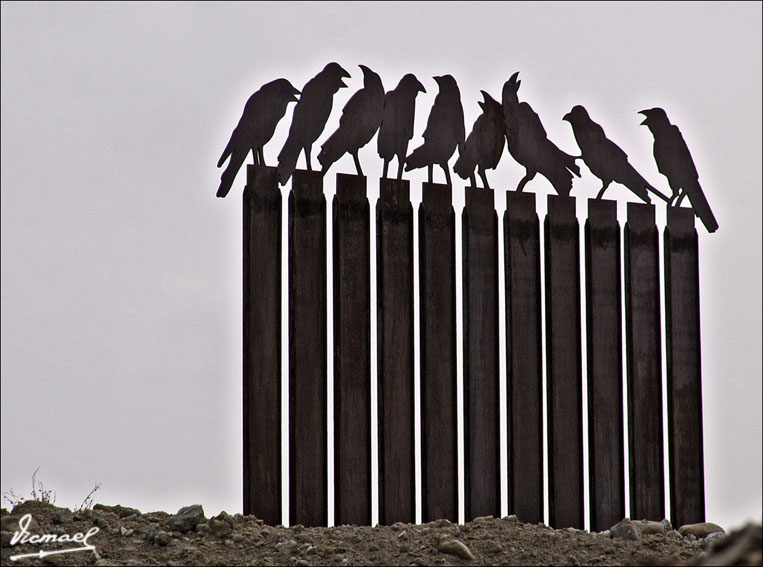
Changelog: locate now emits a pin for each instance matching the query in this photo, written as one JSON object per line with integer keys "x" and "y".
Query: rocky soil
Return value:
{"x": 127, "y": 537}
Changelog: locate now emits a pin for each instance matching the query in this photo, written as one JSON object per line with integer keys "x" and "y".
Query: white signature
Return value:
{"x": 24, "y": 536}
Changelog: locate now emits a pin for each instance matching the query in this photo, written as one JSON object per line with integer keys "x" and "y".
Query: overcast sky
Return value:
{"x": 121, "y": 270}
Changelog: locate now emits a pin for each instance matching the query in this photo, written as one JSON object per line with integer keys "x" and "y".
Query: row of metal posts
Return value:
{"x": 308, "y": 452}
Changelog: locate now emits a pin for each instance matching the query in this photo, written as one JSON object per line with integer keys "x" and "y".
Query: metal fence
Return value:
{"x": 438, "y": 288}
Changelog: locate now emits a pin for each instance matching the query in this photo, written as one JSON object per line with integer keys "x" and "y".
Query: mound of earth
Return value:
{"x": 126, "y": 536}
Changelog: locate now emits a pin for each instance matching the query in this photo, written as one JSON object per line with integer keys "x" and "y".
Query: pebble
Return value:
{"x": 162, "y": 538}
{"x": 187, "y": 517}
{"x": 700, "y": 530}
{"x": 647, "y": 527}
{"x": 153, "y": 529}
{"x": 482, "y": 519}
{"x": 202, "y": 528}
{"x": 492, "y": 547}
{"x": 286, "y": 546}
{"x": 673, "y": 534}
{"x": 220, "y": 528}
{"x": 626, "y": 530}
{"x": 512, "y": 518}
{"x": 455, "y": 547}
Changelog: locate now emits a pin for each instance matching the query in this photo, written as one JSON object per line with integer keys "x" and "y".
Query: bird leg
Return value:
{"x": 603, "y": 188}
{"x": 680, "y": 198}
{"x": 472, "y": 180}
{"x": 256, "y": 156}
{"x": 308, "y": 149}
{"x": 528, "y": 176}
{"x": 447, "y": 174}
{"x": 261, "y": 154}
{"x": 429, "y": 171}
{"x": 483, "y": 175}
{"x": 357, "y": 163}
{"x": 400, "y": 163}
{"x": 384, "y": 170}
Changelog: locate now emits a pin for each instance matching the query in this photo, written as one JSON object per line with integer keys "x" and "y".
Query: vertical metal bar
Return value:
{"x": 642, "y": 321}
{"x": 352, "y": 352}
{"x": 685, "y": 451}
{"x": 262, "y": 344}
{"x": 482, "y": 483}
{"x": 523, "y": 357}
{"x": 308, "y": 447}
{"x": 395, "y": 374}
{"x": 439, "y": 449}
{"x": 564, "y": 385}
{"x": 604, "y": 343}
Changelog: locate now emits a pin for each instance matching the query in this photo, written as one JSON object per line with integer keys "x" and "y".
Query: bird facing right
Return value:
{"x": 674, "y": 162}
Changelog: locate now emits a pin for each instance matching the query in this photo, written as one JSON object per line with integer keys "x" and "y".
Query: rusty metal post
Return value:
{"x": 564, "y": 383}
{"x": 352, "y": 352}
{"x": 482, "y": 467}
{"x": 523, "y": 357}
{"x": 262, "y": 344}
{"x": 437, "y": 272}
{"x": 685, "y": 451}
{"x": 642, "y": 322}
{"x": 604, "y": 344}
{"x": 308, "y": 447}
{"x": 394, "y": 273}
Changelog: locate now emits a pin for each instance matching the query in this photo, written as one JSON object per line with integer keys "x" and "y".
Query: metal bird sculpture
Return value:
{"x": 309, "y": 118}
{"x": 605, "y": 159}
{"x": 255, "y": 128}
{"x": 444, "y": 132}
{"x": 529, "y": 145}
{"x": 360, "y": 120}
{"x": 674, "y": 162}
{"x": 396, "y": 129}
{"x": 484, "y": 146}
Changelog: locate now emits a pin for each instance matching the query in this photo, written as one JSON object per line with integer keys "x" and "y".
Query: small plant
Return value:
{"x": 41, "y": 494}
{"x": 87, "y": 503}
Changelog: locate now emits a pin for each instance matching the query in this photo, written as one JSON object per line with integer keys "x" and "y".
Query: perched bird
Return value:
{"x": 262, "y": 112}
{"x": 484, "y": 146}
{"x": 604, "y": 158}
{"x": 360, "y": 120}
{"x": 674, "y": 162}
{"x": 396, "y": 129}
{"x": 309, "y": 118}
{"x": 529, "y": 145}
{"x": 444, "y": 131}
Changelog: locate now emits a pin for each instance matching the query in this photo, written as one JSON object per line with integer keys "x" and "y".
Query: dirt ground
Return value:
{"x": 127, "y": 537}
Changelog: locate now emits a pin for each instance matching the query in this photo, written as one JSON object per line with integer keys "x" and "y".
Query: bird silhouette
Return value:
{"x": 674, "y": 162}
{"x": 484, "y": 146}
{"x": 444, "y": 131}
{"x": 396, "y": 129}
{"x": 309, "y": 118}
{"x": 360, "y": 120}
{"x": 529, "y": 145}
{"x": 605, "y": 159}
{"x": 262, "y": 112}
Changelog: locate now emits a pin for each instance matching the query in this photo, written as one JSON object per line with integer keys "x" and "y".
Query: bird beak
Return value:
{"x": 513, "y": 78}
{"x": 567, "y": 117}
{"x": 646, "y": 117}
{"x": 420, "y": 87}
{"x": 294, "y": 95}
{"x": 344, "y": 74}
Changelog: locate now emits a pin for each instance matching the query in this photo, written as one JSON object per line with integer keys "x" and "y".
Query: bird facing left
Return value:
{"x": 258, "y": 122}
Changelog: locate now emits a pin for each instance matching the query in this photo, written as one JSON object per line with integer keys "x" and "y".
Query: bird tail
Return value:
{"x": 226, "y": 152}
{"x": 638, "y": 185}
{"x": 331, "y": 150}
{"x": 229, "y": 175}
{"x": 287, "y": 159}
{"x": 464, "y": 167}
{"x": 569, "y": 163}
{"x": 701, "y": 206}
{"x": 420, "y": 157}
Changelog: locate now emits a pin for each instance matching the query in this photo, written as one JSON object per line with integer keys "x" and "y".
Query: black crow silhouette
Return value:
{"x": 674, "y": 162}
{"x": 484, "y": 146}
{"x": 605, "y": 159}
{"x": 360, "y": 120}
{"x": 396, "y": 129}
{"x": 529, "y": 145}
{"x": 309, "y": 118}
{"x": 444, "y": 131}
{"x": 262, "y": 112}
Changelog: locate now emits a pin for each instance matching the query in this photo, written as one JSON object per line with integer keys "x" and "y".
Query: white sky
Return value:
{"x": 121, "y": 270}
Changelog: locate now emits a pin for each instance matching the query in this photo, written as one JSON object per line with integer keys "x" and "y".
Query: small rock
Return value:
{"x": 297, "y": 529}
{"x": 63, "y": 516}
{"x": 673, "y": 534}
{"x": 101, "y": 522}
{"x": 238, "y": 538}
{"x": 512, "y": 519}
{"x": 373, "y": 547}
{"x": 187, "y": 517}
{"x": 492, "y": 547}
{"x": 162, "y": 538}
{"x": 153, "y": 529}
{"x": 482, "y": 519}
{"x": 455, "y": 547}
{"x": 397, "y": 526}
{"x": 646, "y": 527}
{"x": 286, "y": 546}
{"x": 700, "y": 530}
{"x": 220, "y": 528}
{"x": 202, "y": 529}
{"x": 668, "y": 526}
{"x": 625, "y": 529}
{"x": 126, "y": 531}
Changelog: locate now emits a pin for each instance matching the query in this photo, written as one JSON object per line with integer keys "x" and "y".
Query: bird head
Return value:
{"x": 489, "y": 103}
{"x": 654, "y": 116}
{"x": 446, "y": 81}
{"x": 414, "y": 83}
{"x": 337, "y": 72}
{"x": 369, "y": 77}
{"x": 290, "y": 91}
{"x": 577, "y": 115}
{"x": 510, "y": 88}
